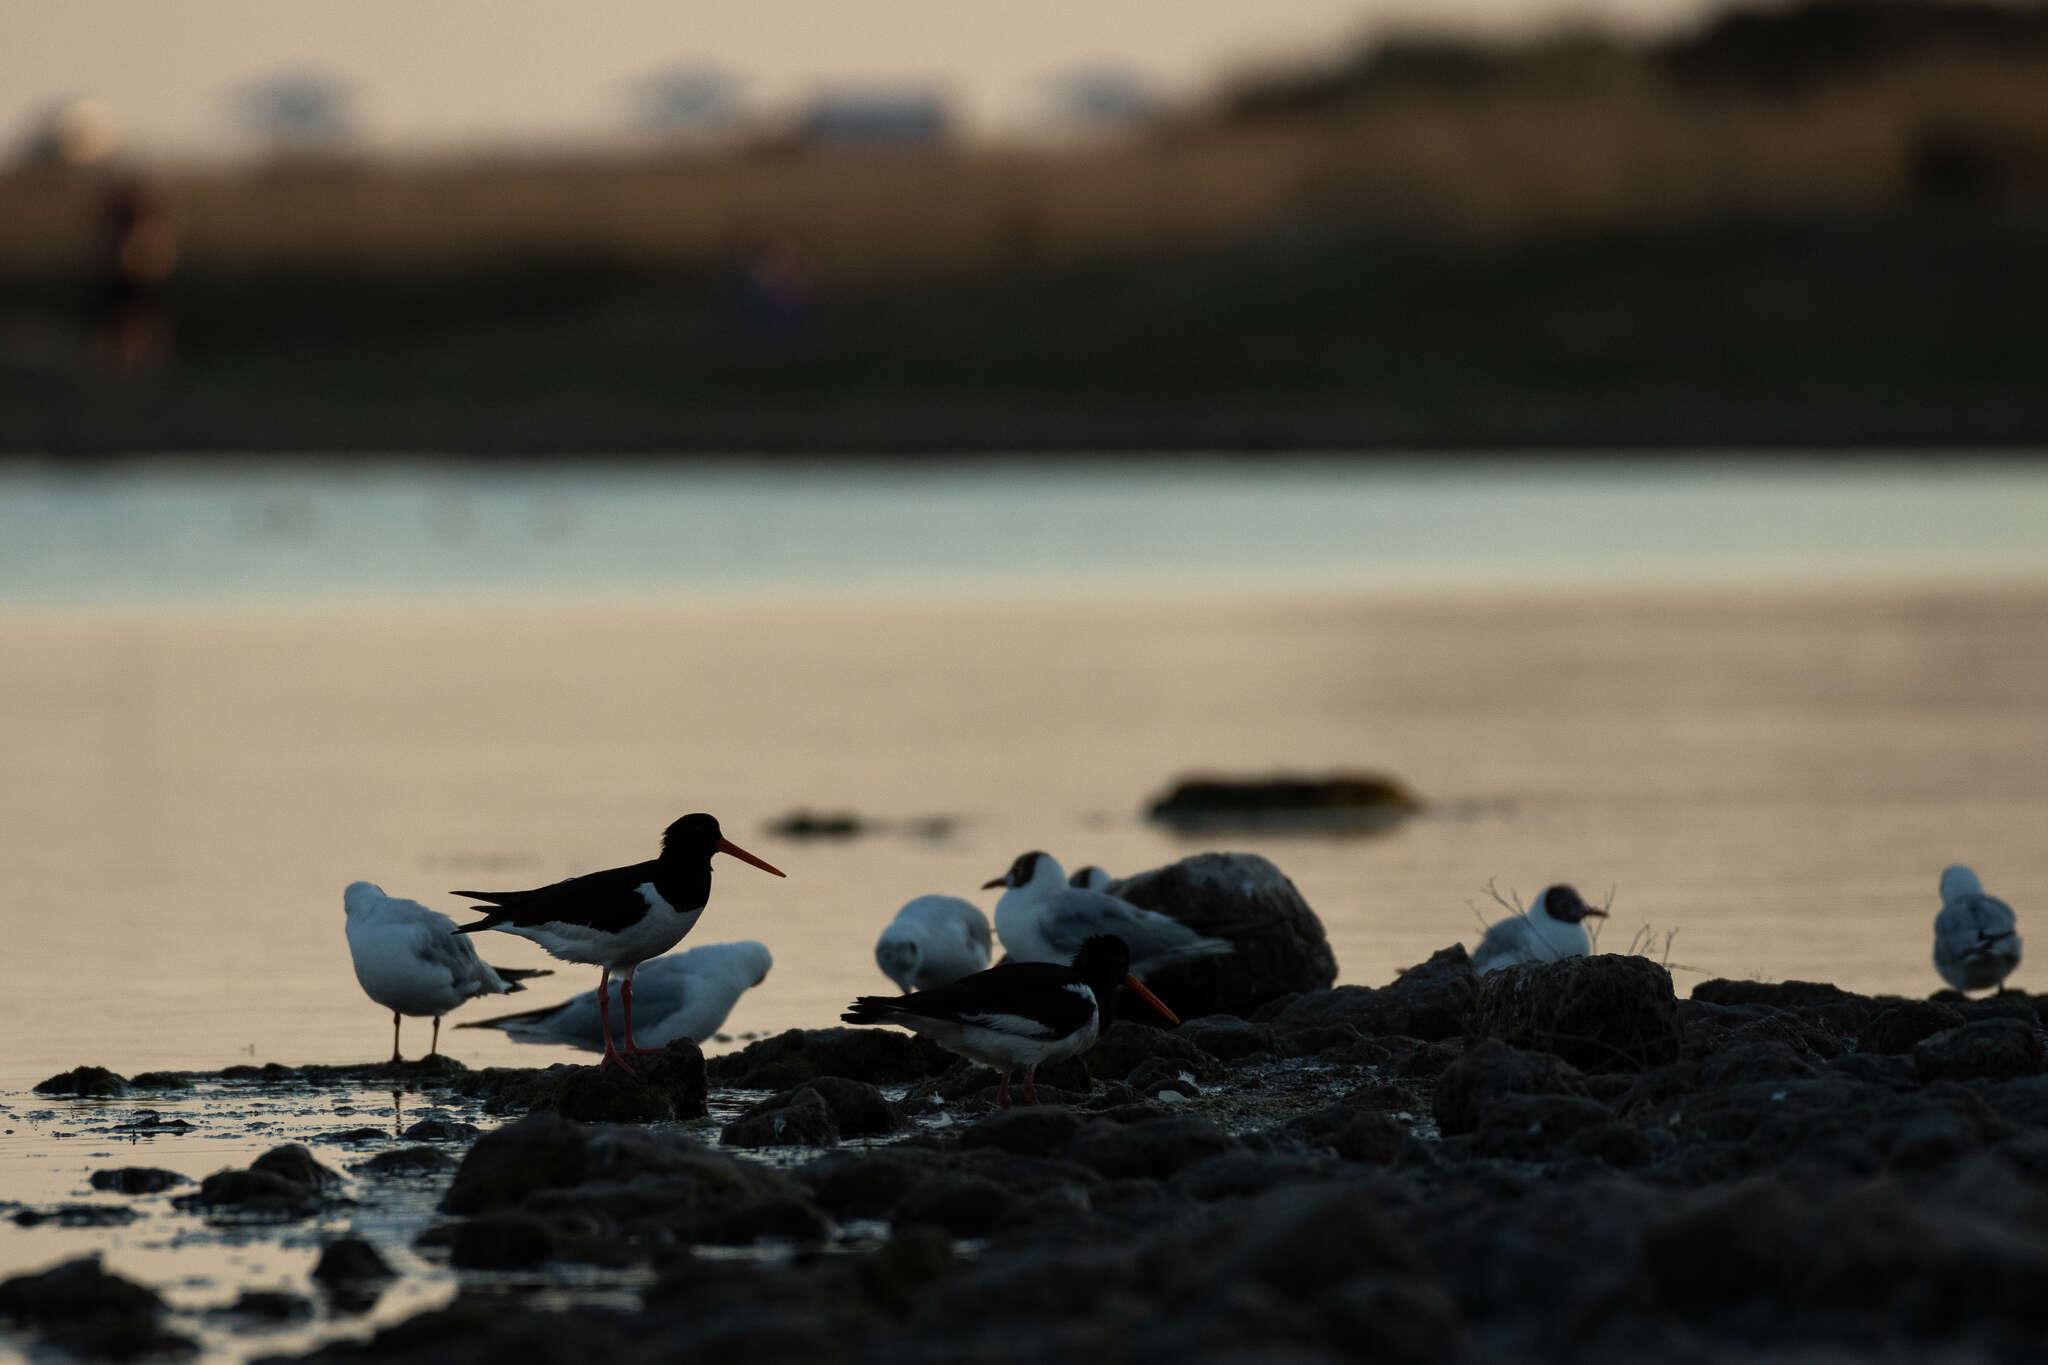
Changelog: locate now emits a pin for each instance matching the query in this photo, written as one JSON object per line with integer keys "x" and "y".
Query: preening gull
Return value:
{"x": 1976, "y": 937}
{"x": 933, "y": 941}
{"x": 411, "y": 960}
{"x": 1042, "y": 919}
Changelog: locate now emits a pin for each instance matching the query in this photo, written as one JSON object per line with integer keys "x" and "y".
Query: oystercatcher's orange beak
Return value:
{"x": 1137, "y": 988}
{"x": 1000, "y": 881}
{"x": 728, "y": 846}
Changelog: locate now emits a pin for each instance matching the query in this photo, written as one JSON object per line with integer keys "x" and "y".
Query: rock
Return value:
{"x": 545, "y": 1155}
{"x": 158, "y": 1080}
{"x": 1727, "y": 1246}
{"x": 1545, "y": 1127}
{"x": 1607, "y": 1012}
{"x": 1027, "y": 1130}
{"x": 1351, "y": 801}
{"x": 343, "y": 1136}
{"x": 1899, "y": 1025}
{"x": 1740, "y": 1062}
{"x": 1408, "y": 1320}
{"x": 1125, "y": 1046}
{"x": 1229, "y": 1038}
{"x": 1776, "y": 994}
{"x": 296, "y": 1164}
{"x": 77, "y": 1216}
{"x": 1155, "y": 1080}
{"x": 407, "y": 1161}
{"x": 351, "y": 1258}
{"x": 874, "y": 1055}
{"x": 94, "y": 1314}
{"x": 1431, "y": 1001}
{"x": 267, "y": 1305}
{"x": 1991, "y": 1049}
{"x": 858, "y": 1109}
{"x": 440, "y": 1130}
{"x": 259, "y": 1194}
{"x": 1303, "y": 1242}
{"x": 670, "y": 1084}
{"x": 501, "y": 1241}
{"x": 1352, "y": 1134}
{"x": 1493, "y": 1069}
{"x": 800, "y": 1118}
{"x": 868, "y": 1185}
{"x": 962, "y": 1205}
{"x": 1242, "y": 897}
{"x": 781, "y": 1218}
{"x": 88, "y": 1081}
{"x": 137, "y": 1179}
{"x": 1155, "y": 1148}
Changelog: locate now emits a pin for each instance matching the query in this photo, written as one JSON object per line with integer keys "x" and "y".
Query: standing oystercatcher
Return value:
{"x": 933, "y": 941}
{"x": 409, "y": 960}
{"x": 1019, "y": 1014}
{"x": 1040, "y": 918}
{"x": 1976, "y": 937}
{"x": 620, "y": 917}
{"x": 1551, "y": 930}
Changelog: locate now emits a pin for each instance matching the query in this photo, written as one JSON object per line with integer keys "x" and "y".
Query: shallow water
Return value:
{"x": 1763, "y": 745}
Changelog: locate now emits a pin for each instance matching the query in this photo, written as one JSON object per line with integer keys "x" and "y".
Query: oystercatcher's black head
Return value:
{"x": 1104, "y": 963}
{"x": 694, "y": 838}
{"x": 1563, "y": 903}
{"x": 1020, "y": 871}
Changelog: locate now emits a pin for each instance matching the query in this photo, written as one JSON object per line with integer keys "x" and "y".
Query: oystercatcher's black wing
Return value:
{"x": 608, "y": 901}
{"x": 1030, "y": 999}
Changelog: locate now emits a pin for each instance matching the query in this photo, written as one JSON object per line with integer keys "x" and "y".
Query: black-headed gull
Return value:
{"x": 1042, "y": 919}
{"x": 682, "y": 995}
{"x": 1976, "y": 937}
{"x": 1550, "y": 930}
{"x": 933, "y": 941}
{"x": 411, "y": 960}
{"x": 1017, "y": 1015}
{"x": 618, "y": 918}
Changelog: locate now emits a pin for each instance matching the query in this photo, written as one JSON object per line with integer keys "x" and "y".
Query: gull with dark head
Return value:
{"x": 1976, "y": 937}
{"x": 618, "y": 918}
{"x": 682, "y": 995}
{"x": 1019, "y": 1015}
{"x": 1090, "y": 878}
{"x": 1552, "y": 929}
{"x": 933, "y": 941}
{"x": 411, "y": 960}
{"x": 1042, "y": 919}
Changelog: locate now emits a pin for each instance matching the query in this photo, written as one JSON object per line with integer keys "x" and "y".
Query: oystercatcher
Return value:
{"x": 933, "y": 941}
{"x": 1019, "y": 1014}
{"x": 1042, "y": 919}
{"x": 686, "y": 995}
{"x": 1976, "y": 937}
{"x": 1550, "y": 930}
{"x": 410, "y": 960}
{"x": 620, "y": 917}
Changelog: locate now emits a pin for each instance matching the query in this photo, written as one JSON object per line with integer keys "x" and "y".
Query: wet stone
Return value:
{"x": 781, "y": 1218}
{"x": 1155, "y": 1147}
{"x": 501, "y": 1241}
{"x": 294, "y": 1163}
{"x": 798, "y": 1119}
{"x": 1431, "y": 1001}
{"x": 1155, "y": 1079}
{"x": 137, "y": 1180}
{"x": 1898, "y": 1026}
{"x": 1492, "y": 1070}
{"x": 876, "y": 1056}
{"x": 1280, "y": 946}
{"x": 1125, "y": 1046}
{"x": 665, "y": 1085}
{"x": 963, "y": 1205}
{"x": 76, "y": 1216}
{"x": 440, "y": 1130}
{"x": 1229, "y": 1038}
{"x": 87, "y": 1081}
{"x": 1353, "y": 1134}
{"x": 407, "y": 1161}
{"x": 262, "y": 1194}
{"x": 90, "y": 1312}
{"x": 344, "y": 1136}
{"x": 858, "y": 1109}
{"x": 1027, "y": 1130}
{"x": 1990, "y": 1049}
{"x": 266, "y": 1306}
{"x": 351, "y": 1258}
{"x": 159, "y": 1080}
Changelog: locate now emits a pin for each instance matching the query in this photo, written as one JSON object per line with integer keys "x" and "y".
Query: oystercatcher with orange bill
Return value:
{"x": 618, "y": 918}
{"x": 1018, "y": 1014}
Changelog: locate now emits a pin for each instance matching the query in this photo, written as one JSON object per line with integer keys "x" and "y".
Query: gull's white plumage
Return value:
{"x": 1976, "y": 937}
{"x": 1040, "y": 918}
{"x": 933, "y": 941}
{"x": 1537, "y": 935}
{"x": 410, "y": 960}
{"x": 684, "y": 995}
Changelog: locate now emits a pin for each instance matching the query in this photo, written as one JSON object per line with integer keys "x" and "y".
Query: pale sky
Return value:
{"x": 432, "y": 74}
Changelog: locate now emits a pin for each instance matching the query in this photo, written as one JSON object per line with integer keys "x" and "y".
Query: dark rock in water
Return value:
{"x": 963, "y": 1205}
{"x": 1901, "y": 1024}
{"x": 297, "y": 1165}
{"x": 877, "y": 1056}
{"x": 77, "y": 1216}
{"x": 1355, "y": 1135}
{"x": 1027, "y": 1130}
{"x": 1280, "y": 944}
{"x": 1493, "y": 1070}
{"x": 351, "y": 1258}
{"x": 1155, "y": 1148}
{"x": 545, "y": 1152}
{"x": 798, "y": 1118}
{"x": 343, "y": 1136}
{"x": 1607, "y": 1012}
{"x": 262, "y": 1194}
{"x": 501, "y": 1241}
{"x": 407, "y": 1161}
{"x": 858, "y": 1109}
{"x": 440, "y": 1130}
{"x": 1991, "y": 1049}
{"x": 778, "y": 1218}
{"x": 137, "y": 1179}
{"x": 868, "y": 1185}
{"x": 806, "y": 824}
{"x": 266, "y": 1305}
{"x": 1354, "y": 802}
{"x": 1124, "y": 1047}
{"x": 81, "y": 1307}
{"x": 88, "y": 1081}
{"x": 159, "y": 1080}
{"x": 669, "y": 1084}
{"x": 1432, "y": 1001}
{"x": 1229, "y": 1038}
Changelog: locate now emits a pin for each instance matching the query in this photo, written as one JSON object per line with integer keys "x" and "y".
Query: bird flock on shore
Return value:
{"x": 1070, "y": 943}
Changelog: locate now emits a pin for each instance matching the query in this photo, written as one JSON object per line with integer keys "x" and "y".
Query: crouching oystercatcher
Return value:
{"x": 618, "y": 918}
{"x": 1019, "y": 1014}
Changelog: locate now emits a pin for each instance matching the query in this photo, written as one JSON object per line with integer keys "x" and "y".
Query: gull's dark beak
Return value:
{"x": 1000, "y": 881}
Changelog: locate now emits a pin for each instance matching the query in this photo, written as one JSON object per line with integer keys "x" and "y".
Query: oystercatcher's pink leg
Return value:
{"x": 612, "y": 1056}
{"x": 1030, "y": 1088}
{"x": 632, "y": 1049}
{"x": 1002, "y": 1090}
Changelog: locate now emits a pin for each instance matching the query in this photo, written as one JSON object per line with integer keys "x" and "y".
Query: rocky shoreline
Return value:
{"x": 1555, "y": 1162}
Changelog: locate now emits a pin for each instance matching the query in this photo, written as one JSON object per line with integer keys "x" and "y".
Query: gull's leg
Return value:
{"x": 1003, "y": 1089}
{"x": 1030, "y": 1088}
{"x": 394, "y": 1038}
{"x": 435, "y": 1048}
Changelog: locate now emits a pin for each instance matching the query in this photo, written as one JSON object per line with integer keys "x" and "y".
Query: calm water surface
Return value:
{"x": 1761, "y": 710}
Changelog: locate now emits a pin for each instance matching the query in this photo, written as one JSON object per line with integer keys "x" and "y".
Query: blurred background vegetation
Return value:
{"x": 1815, "y": 225}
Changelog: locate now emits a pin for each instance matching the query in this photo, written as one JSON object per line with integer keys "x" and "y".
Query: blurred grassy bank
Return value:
{"x": 1566, "y": 242}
